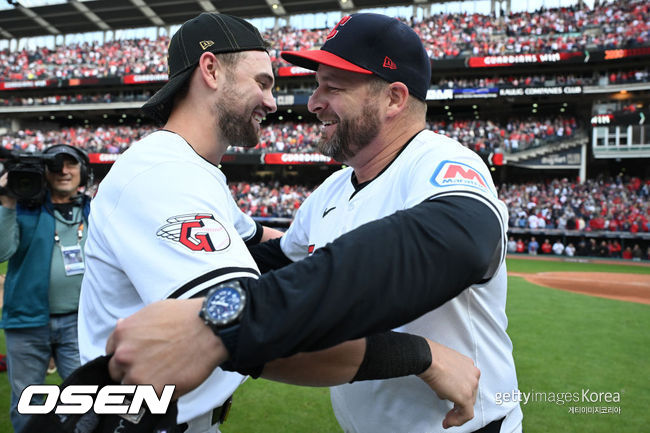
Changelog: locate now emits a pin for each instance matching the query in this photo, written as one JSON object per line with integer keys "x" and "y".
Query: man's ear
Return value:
{"x": 398, "y": 95}
{"x": 210, "y": 69}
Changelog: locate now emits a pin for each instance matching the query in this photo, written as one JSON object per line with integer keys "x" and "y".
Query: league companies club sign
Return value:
{"x": 540, "y": 91}
{"x": 198, "y": 232}
{"x": 452, "y": 173}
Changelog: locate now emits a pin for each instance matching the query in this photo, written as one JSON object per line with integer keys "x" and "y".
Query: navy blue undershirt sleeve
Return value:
{"x": 257, "y": 237}
{"x": 269, "y": 255}
{"x": 381, "y": 275}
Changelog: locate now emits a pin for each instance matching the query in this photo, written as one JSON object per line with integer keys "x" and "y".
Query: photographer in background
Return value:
{"x": 43, "y": 239}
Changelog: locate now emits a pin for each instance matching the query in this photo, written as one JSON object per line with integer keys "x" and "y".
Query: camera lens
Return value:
{"x": 25, "y": 184}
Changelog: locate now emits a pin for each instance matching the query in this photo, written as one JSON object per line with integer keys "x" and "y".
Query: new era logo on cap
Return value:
{"x": 206, "y": 44}
{"x": 388, "y": 63}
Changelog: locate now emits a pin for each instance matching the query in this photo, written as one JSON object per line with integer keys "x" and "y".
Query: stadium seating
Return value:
{"x": 597, "y": 205}
{"x": 292, "y": 137}
{"x": 609, "y": 25}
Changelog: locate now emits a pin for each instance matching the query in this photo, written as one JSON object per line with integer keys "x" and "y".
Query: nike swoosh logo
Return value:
{"x": 328, "y": 211}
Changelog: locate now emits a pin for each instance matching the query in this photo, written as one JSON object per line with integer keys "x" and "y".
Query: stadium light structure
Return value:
{"x": 39, "y": 20}
{"x": 148, "y": 12}
{"x": 5, "y": 34}
{"x": 90, "y": 15}
{"x": 276, "y": 7}
{"x": 207, "y": 6}
{"x": 346, "y": 4}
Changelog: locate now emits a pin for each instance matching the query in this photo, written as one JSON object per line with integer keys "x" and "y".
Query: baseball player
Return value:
{"x": 412, "y": 225}
{"x": 164, "y": 226}
{"x": 164, "y": 212}
{"x": 373, "y": 74}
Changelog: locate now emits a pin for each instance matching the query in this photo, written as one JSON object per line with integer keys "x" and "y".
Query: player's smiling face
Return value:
{"x": 245, "y": 99}
{"x": 343, "y": 102}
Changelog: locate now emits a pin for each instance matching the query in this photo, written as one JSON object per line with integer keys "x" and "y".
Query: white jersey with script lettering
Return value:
{"x": 473, "y": 323}
{"x": 163, "y": 225}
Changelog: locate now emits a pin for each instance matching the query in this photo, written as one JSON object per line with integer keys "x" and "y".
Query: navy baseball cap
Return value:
{"x": 210, "y": 31}
{"x": 372, "y": 44}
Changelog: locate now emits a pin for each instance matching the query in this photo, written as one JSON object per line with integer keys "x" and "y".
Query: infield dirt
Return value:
{"x": 610, "y": 285}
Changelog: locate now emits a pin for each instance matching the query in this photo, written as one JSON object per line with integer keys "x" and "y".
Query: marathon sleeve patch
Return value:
{"x": 454, "y": 173}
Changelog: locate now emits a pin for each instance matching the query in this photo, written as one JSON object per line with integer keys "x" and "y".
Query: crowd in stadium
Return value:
{"x": 609, "y": 25}
{"x": 111, "y": 59}
{"x": 101, "y": 139}
{"x": 594, "y": 79}
{"x": 610, "y": 205}
{"x": 610, "y": 248}
{"x": 76, "y": 98}
{"x": 269, "y": 199}
{"x": 514, "y": 135}
{"x": 604, "y": 205}
{"x": 140, "y": 95}
{"x": 292, "y": 137}
{"x": 597, "y": 205}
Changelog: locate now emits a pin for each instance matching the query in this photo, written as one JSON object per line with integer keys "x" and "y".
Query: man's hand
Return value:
{"x": 165, "y": 343}
{"x": 5, "y": 200}
{"x": 455, "y": 378}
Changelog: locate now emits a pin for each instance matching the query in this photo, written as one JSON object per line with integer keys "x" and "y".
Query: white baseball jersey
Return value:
{"x": 163, "y": 225}
{"x": 474, "y": 323}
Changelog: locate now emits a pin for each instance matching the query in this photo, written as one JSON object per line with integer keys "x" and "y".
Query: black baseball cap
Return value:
{"x": 213, "y": 32}
{"x": 372, "y": 44}
{"x": 64, "y": 149}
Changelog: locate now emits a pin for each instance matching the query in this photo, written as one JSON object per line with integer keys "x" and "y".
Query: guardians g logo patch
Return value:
{"x": 198, "y": 232}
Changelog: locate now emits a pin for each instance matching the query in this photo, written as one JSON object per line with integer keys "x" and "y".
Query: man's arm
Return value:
{"x": 261, "y": 234}
{"x": 145, "y": 347}
{"x": 372, "y": 279}
{"x": 270, "y": 233}
{"x": 451, "y": 375}
{"x": 381, "y": 275}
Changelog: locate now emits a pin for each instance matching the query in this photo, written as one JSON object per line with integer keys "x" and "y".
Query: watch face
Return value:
{"x": 224, "y": 305}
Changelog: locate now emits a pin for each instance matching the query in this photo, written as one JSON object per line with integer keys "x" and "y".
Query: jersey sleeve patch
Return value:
{"x": 197, "y": 232}
{"x": 453, "y": 173}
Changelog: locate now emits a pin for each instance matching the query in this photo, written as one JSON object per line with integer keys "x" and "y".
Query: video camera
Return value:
{"x": 26, "y": 180}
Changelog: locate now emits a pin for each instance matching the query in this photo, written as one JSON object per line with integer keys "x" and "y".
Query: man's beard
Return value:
{"x": 237, "y": 128}
{"x": 351, "y": 135}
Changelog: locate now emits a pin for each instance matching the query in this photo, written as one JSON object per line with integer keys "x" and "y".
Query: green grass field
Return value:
{"x": 563, "y": 343}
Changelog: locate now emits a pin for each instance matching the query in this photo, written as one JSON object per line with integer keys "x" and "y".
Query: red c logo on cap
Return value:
{"x": 334, "y": 31}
